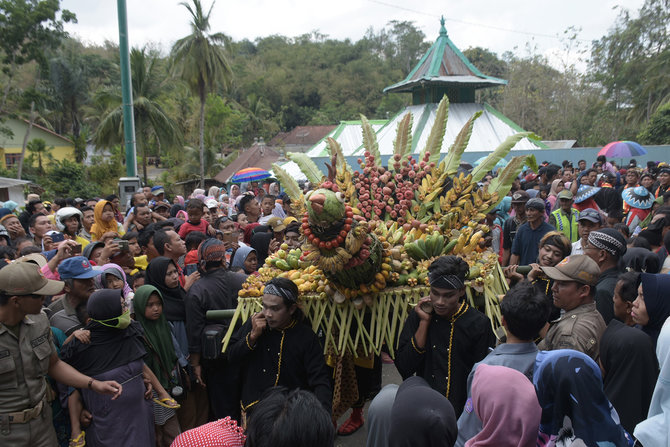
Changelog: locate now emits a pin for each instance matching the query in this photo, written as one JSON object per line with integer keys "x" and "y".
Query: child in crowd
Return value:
{"x": 195, "y": 221}
{"x": 164, "y": 357}
{"x": 104, "y": 221}
{"x": 244, "y": 260}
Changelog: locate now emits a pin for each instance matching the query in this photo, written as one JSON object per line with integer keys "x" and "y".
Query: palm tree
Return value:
{"x": 38, "y": 150}
{"x": 199, "y": 60}
{"x": 151, "y": 121}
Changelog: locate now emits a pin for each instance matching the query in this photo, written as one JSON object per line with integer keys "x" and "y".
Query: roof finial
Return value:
{"x": 443, "y": 30}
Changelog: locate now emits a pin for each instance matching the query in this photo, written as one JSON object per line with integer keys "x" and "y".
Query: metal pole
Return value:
{"x": 127, "y": 92}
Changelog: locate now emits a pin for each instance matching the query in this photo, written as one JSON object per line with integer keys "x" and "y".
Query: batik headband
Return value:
{"x": 446, "y": 281}
{"x": 211, "y": 250}
{"x": 274, "y": 289}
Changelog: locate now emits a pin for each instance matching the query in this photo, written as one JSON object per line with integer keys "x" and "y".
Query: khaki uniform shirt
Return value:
{"x": 24, "y": 363}
{"x": 579, "y": 329}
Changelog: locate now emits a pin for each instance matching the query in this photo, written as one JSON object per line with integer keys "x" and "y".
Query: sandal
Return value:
{"x": 167, "y": 403}
{"x": 79, "y": 441}
{"x": 353, "y": 424}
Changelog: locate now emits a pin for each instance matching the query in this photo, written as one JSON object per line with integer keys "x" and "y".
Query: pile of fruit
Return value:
{"x": 370, "y": 235}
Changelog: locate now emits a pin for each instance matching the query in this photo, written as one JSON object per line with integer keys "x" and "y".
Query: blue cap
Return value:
{"x": 157, "y": 190}
{"x": 77, "y": 267}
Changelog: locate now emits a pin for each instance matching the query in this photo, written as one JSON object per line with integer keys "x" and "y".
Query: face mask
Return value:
{"x": 123, "y": 321}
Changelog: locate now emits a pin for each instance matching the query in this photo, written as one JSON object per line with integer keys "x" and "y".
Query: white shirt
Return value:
{"x": 577, "y": 248}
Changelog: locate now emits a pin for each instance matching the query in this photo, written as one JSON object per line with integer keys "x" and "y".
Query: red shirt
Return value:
{"x": 221, "y": 433}
{"x": 187, "y": 227}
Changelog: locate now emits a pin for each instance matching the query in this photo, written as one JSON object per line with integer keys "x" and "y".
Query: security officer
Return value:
{"x": 27, "y": 354}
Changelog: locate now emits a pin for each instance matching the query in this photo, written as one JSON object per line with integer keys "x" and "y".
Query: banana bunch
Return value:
{"x": 331, "y": 261}
{"x": 468, "y": 240}
{"x": 427, "y": 246}
{"x": 433, "y": 183}
{"x": 391, "y": 232}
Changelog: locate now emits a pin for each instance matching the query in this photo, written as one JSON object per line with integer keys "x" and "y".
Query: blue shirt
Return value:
{"x": 526, "y": 243}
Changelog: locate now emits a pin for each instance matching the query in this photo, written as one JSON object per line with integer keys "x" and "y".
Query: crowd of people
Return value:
{"x": 105, "y": 338}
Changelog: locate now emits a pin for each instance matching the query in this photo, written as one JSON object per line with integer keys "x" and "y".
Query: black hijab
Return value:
{"x": 110, "y": 347}
{"x": 631, "y": 369}
{"x": 421, "y": 417}
{"x": 175, "y": 209}
{"x": 174, "y": 307}
{"x": 641, "y": 260}
{"x": 655, "y": 289}
{"x": 261, "y": 243}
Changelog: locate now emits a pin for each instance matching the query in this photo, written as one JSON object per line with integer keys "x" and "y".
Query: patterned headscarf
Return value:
{"x": 574, "y": 406}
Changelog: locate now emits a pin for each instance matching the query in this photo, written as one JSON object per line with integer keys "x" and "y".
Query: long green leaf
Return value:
{"x": 501, "y": 151}
{"x": 307, "y": 166}
{"x": 370, "y": 140}
{"x": 287, "y": 182}
{"x": 503, "y": 182}
{"x": 335, "y": 148}
{"x": 453, "y": 158}
{"x": 403, "y": 139}
{"x": 434, "y": 142}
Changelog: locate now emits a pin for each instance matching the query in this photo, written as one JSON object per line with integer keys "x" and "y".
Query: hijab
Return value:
{"x": 503, "y": 210}
{"x": 421, "y": 416}
{"x": 213, "y": 192}
{"x": 109, "y": 348}
{"x": 174, "y": 209}
{"x": 510, "y": 414}
{"x": 241, "y": 255}
{"x": 552, "y": 197}
{"x": 260, "y": 241}
{"x": 641, "y": 260}
{"x": 99, "y": 226}
{"x": 180, "y": 199}
{"x": 174, "y": 307}
{"x": 162, "y": 358}
{"x": 234, "y": 192}
{"x": 655, "y": 289}
{"x": 630, "y": 368}
{"x": 654, "y": 430}
{"x": 116, "y": 270}
{"x": 574, "y": 405}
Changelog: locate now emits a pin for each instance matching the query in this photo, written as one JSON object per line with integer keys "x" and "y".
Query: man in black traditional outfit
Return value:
{"x": 275, "y": 347}
{"x": 442, "y": 346}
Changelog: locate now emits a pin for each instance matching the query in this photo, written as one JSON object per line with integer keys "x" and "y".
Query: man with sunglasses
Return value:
{"x": 27, "y": 354}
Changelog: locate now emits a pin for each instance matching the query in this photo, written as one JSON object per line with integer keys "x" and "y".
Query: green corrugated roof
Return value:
{"x": 444, "y": 64}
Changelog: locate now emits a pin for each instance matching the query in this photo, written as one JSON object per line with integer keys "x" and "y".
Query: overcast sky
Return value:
{"x": 497, "y": 25}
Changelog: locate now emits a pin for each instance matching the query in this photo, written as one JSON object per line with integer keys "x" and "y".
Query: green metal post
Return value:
{"x": 127, "y": 92}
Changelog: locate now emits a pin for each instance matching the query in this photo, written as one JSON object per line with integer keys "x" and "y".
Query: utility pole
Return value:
{"x": 127, "y": 93}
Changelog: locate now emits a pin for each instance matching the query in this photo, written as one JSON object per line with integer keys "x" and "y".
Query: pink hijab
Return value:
{"x": 505, "y": 401}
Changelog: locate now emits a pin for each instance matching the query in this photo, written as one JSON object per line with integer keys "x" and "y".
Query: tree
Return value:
{"x": 28, "y": 27}
{"x": 199, "y": 60}
{"x": 38, "y": 150}
{"x": 631, "y": 61}
{"x": 657, "y": 130}
{"x": 151, "y": 121}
